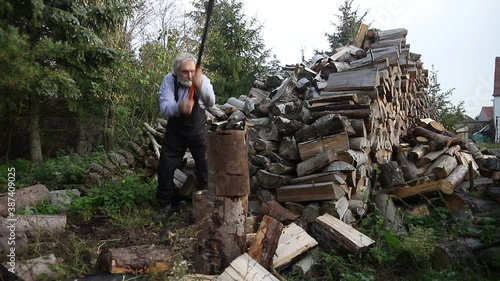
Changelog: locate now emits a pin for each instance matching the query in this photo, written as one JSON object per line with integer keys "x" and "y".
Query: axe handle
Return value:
{"x": 210, "y": 8}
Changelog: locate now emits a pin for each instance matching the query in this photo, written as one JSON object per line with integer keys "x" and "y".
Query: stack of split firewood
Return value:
{"x": 326, "y": 138}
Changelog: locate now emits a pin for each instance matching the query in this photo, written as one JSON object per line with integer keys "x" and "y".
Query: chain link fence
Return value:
{"x": 66, "y": 135}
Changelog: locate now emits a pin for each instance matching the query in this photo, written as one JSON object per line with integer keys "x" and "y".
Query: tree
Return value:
{"x": 347, "y": 26}
{"x": 449, "y": 114}
{"x": 234, "y": 52}
{"x": 57, "y": 49}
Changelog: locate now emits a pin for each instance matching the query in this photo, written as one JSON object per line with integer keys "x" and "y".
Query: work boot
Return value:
{"x": 163, "y": 213}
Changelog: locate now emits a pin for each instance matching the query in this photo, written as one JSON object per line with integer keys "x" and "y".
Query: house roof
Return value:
{"x": 488, "y": 110}
{"x": 496, "y": 83}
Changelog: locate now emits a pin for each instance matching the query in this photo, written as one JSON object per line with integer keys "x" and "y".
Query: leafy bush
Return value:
{"x": 42, "y": 208}
{"x": 419, "y": 243}
{"x": 114, "y": 197}
{"x": 22, "y": 173}
{"x": 65, "y": 169}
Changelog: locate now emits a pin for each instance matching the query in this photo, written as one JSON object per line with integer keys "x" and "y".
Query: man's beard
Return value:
{"x": 186, "y": 83}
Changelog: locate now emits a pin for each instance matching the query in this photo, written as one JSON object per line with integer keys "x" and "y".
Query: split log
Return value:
{"x": 293, "y": 242}
{"x": 239, "y": 104}
{"x": 279, "y": 169}
{"x": 318, "y": 178}
{"x": 353, "y": 157}
{"x": 222, "y": 235}
{"x": 429, "y": 157}
{"x": 465, "y": 158}
{"x": 429, "y": 186}
{"x": 309, "y": 192}
{"x": 457, "y": 176}
{"x": 316, "y": 163}
{"x": 308, "y": 264}
{"x": 269, "y": 180}
{"x": 277, "y": 211}
{"x": 358, "y": 207}
{"x": 267, "y": 132}
{"x": 408, "y": 168}
{"x": 294, "y": 207}
{"x": 389, "y": 212}
{"x": 341, "y": 207}
{"x": 390, "y": 175}
{"x": 266, "y": 241}
{"x": 476, "y": 152}
{"x": 442, "y": 166}
{"x": 285, "y": 126}
{"x": 288, "y": 149}
{"x": 217, "y": 112}
{"x": 351, "y": 114}
{"x": 359, "y": 128}
{"x": 23, "y": 197}
{"x": 360, "y": 143}
{"x": 326, "y": 125}
{"x": 264, "y": 147}
{"x": 332, "y": 233}
{"x": 310, "y": 213}
{"x": 335, "y": 143}
{"x": 338, "y": 97}
{"x": 244, "y": 268}
{"x": 235, "y": 120}
{"x": 364, "y": 79}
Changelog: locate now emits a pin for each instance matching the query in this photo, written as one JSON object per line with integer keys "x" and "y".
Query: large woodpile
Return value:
{"x": 326, "y": 138}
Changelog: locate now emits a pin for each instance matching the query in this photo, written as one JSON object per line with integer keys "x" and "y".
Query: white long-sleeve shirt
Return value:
{"x": 168, "y": 105}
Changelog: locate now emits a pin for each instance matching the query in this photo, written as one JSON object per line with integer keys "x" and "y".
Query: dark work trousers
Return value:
{"x": 174, "y": 146}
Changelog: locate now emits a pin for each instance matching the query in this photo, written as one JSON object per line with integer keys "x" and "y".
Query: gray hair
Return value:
{"x": 181, "y": 57}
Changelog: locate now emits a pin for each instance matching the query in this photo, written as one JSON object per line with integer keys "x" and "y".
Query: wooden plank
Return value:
{"x": 293, "y": 242}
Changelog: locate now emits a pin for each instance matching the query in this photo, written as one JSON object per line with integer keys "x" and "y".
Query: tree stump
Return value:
{"x": 222, "y": 231}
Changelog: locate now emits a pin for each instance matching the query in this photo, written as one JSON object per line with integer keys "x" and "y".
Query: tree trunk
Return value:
{"x": 35, "y": 142}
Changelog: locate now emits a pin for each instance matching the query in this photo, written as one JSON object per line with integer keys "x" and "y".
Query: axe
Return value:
{"x": 210, "y": 8}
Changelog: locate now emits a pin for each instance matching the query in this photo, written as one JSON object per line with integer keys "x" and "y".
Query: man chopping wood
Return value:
{"x": 184, "y": 94}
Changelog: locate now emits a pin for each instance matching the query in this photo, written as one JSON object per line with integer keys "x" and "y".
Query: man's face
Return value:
{"x": 186, "y": 72}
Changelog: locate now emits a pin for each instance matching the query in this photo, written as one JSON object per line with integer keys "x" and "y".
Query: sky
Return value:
{"x": 459, "y": 38}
